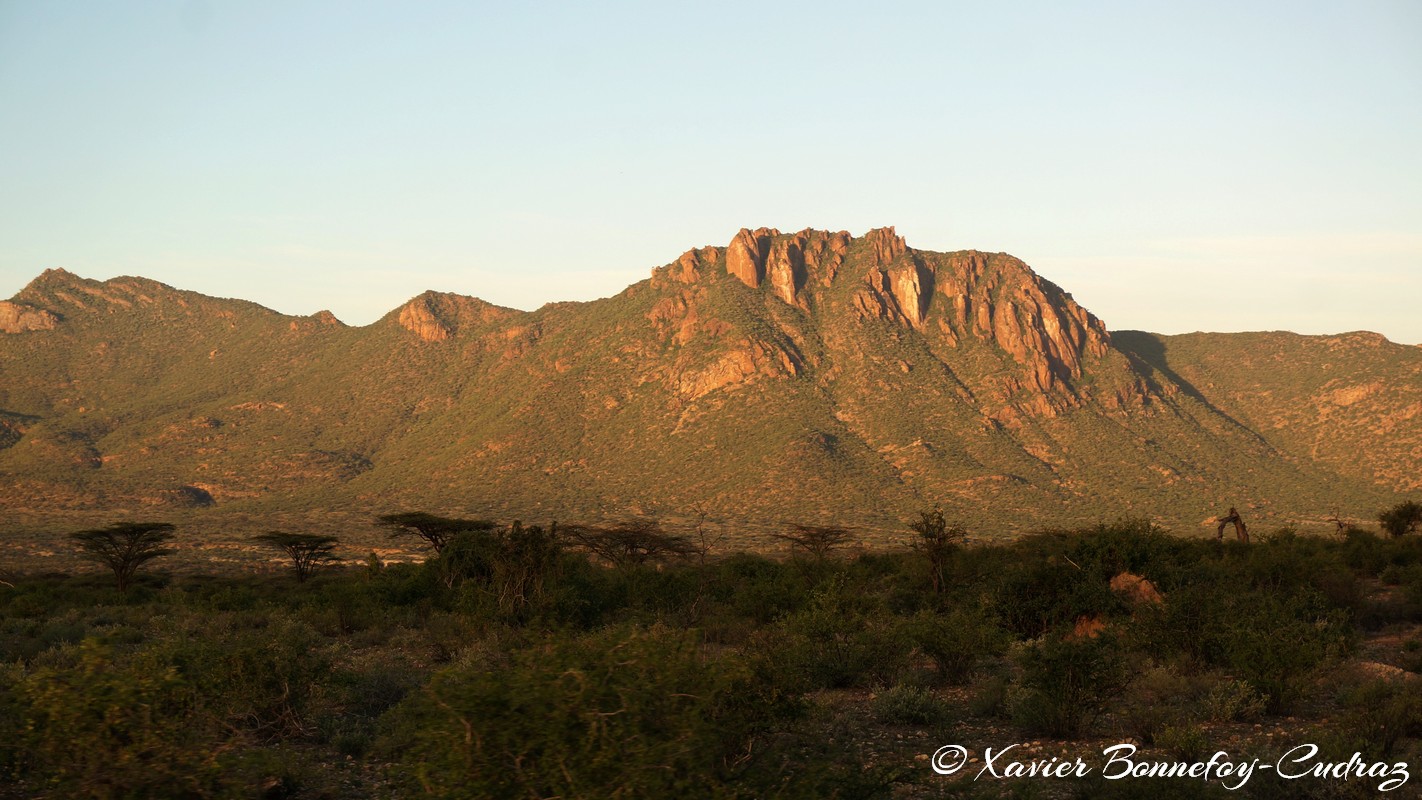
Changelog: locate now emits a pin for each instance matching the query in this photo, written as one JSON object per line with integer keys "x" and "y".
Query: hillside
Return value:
{"x": 804, "y": 376}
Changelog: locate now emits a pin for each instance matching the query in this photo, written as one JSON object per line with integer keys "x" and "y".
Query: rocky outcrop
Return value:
{"x": 1135, "y": 589}
{"x": 785, "y": 268}
{"x": 911, "y": 286}
{"x": 746, "y": 362}
{"x": 824, "y": 253}
{"x": 991, "y": 298}
{"x": 419, "y": 318}
{"x": 885, "y": 245}
{"x": 436, "y": 316}
{"x": 999, "y": 299}
{"x": 319, "y": 320}
{"x": 789, "y": 263}
{"x": 746, "y": 254}
{"x": 17, "y": 318}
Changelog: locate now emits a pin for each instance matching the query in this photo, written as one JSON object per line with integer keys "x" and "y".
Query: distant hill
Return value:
{"x": 810, "y": 376}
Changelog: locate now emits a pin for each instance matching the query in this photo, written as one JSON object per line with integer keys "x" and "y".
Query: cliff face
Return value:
{"x": 806, "y": 376}
{"x": 955, "y": 300}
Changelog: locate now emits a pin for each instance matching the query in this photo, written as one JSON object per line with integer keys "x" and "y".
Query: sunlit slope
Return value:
{"x": 805, "y": 376}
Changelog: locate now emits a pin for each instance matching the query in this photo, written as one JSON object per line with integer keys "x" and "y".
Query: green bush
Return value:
{"x": 758, "y": 589}
{"x": 113, "y": 727}
{"x": 989, "y": 696}
{"x": 1234, "y": 701}
{"x": 1379, "y": 713}
{"x": 1184, "y": 741}
{"x": 836, "y": 641}
{"x": 1034, "y": 598}
{"x": 262, "y": 679}
{"x": 956, "y": 641}
{"x": 1065, "y": 682}
{"x": 905, "y": 704}
{"x": 1277, "y": 646}
{"x": 1160, "y": 698}
{"x": 620, "y": 714}
{"x": 12, "y": 709}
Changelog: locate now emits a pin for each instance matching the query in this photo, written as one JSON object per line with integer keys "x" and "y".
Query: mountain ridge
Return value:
{"x": 813, "y": 375}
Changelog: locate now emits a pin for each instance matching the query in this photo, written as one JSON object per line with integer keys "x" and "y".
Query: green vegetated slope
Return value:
{"x": 1352, "y": 402}
{"x": 806, "y": 376}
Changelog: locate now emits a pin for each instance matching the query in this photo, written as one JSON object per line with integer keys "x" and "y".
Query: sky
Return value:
{"x": 1215, "y": 166}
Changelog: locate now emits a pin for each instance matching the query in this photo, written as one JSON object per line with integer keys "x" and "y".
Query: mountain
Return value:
{"x": 810, "y": 376}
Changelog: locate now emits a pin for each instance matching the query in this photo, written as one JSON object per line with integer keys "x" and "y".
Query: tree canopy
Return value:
{"x": 125, "y": 546}
{"x": 307, "y": 551}
{"x": 1402, "y": 518}
{"x": 434, "y": 530}
{"x": 629, "y": 543}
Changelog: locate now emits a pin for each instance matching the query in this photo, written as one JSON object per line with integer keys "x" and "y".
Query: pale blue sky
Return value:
{"x": 1176, "y": 166}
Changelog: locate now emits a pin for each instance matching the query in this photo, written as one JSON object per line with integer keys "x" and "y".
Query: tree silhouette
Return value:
{"x": 307, "y": 551}
{"x": 626, "y": 544}
{"x": 817, "y": 540}
{"x": 437, "y": 532}
{"x": 125, "y": 546}
{"x": 936, "y": 542}
{"x": 1402, "y": 518}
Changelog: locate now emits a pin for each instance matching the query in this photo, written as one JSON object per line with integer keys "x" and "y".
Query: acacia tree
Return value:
{"x": 437, "y": 532}
{"x": 817, "y": 540}
{"x": 626, "y": 544}
{"x": 307, "y": 551}
{"x": 125, "y": 546}
{"x": 1402, "y": 518}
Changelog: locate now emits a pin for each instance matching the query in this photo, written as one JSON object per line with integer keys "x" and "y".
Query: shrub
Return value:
{"x": 623, "y": 713}
{"x": 1379, "y": 714}
{"x": 1065, "y": 682}
{"x": 1034, "y": 598}
{"x": 1234, "y": 701}
{"x": 1364, "y": 551}
{"x": 1184, "y": 740}
{"x": 910, "y": 705}
{"x": 110, "y": 727}
{"x": 956, "y": 641}
{"x": 834, "y": 643}
{"x": 758, "y": 589}
{"x": 989, "y": 697}
{"x": 1277, "y": 645}
{"x": 1401, "y": 519}
{"x": 1158, "y": 699}
{"x": 261, "y": 680}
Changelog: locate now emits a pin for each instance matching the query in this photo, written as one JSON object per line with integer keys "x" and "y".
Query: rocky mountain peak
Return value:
{"x": 887, "y": 245}
{"x": 953, "y": 298}
{"x": 437, "y": 316}
{"x": 746, "y": 254}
